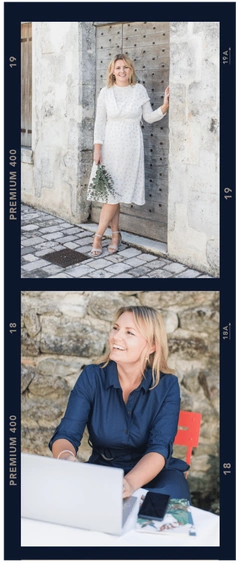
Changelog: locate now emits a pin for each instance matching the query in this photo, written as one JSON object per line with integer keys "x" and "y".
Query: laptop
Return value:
{"x": 75, "y": 494}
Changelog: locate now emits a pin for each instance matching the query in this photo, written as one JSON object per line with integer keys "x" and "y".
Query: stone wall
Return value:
{"x": 55, "y": 172}
{"x": 193, "y": 213}
{"x": 64, "y": 331}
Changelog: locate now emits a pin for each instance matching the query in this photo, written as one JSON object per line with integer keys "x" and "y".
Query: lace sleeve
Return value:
{"x": 100, "y": 119}
{"x": 151, "y": 115}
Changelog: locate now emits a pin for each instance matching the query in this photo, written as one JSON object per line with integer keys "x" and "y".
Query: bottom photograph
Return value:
{"x": 120, "y": 418}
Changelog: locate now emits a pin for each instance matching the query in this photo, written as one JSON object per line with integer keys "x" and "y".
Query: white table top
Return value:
{"x": 39, "y": 533}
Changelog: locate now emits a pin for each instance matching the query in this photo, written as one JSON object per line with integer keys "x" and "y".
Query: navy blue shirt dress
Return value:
{"x": 120, "y": 434}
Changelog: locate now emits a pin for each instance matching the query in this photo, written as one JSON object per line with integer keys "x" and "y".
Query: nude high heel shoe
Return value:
{"x": 95, "y": 252}
{"x": 114, "y": 248}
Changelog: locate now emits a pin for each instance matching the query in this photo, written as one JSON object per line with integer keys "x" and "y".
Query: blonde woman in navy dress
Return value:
{"x": 130, "y": 403}
{"x": 118, "y": 143}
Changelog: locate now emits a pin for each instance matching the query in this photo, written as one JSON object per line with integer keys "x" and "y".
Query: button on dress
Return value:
{"x": 122, "y": 433}
{"x": 117, "y": 127}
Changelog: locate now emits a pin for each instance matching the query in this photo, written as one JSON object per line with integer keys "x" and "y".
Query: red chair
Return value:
{"x": 188, "y": 431}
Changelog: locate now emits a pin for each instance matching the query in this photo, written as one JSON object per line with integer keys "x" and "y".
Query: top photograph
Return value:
{"x": 120, "y": 149}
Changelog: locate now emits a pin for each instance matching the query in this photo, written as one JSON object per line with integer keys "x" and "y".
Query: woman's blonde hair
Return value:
{"x": 110, "y": 79}
{"x": 151, "y": 325}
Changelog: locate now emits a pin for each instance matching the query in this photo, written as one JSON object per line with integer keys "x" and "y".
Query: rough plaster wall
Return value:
{"x": 194, "y": 145}
{"x": 63, "y": 116}
{"x": 64, "y": 331}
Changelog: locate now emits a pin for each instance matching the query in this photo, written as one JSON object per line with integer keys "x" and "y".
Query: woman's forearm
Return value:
{"x": 97, "y": 146}
{"x": 97, "y": 153}
{"x": 145, "y": 470}
{"x": 63, "y": 448}
{"x": 164, "y": 108}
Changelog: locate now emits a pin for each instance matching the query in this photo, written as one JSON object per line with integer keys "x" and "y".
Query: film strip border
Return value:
{"x": 123, "y": 562}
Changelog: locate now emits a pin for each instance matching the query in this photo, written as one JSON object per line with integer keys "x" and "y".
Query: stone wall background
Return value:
{"x": 64, "y": 331}
{"x": 193, "y": 212}
{"x": 55, "y": 172}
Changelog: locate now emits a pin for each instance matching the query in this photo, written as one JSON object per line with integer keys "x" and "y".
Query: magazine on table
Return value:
{"x": 177, "y": 519}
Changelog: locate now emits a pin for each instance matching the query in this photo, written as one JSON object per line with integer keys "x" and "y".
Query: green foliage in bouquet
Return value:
{"x": 101, "y": 185}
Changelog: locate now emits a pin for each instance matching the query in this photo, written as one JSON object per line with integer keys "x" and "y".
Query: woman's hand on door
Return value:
{"x": 166, "y": 96}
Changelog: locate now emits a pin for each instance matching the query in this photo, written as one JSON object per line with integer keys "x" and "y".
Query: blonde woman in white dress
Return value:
{"x": 118, "y": 143}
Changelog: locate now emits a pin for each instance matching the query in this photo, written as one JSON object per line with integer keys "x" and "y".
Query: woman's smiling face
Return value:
{"x": 122, "y": 72}
{"x": 126, "y": 342}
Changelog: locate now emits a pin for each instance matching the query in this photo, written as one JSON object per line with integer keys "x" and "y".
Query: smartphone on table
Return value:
{"x": 154, "y": 506}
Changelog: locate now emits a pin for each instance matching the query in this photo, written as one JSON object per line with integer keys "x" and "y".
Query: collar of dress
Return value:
{"x": 111, "y": 377}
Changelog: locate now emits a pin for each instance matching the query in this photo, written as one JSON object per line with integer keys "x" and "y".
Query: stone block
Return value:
{"x": 30, "y": 258}
{"x": 178, "y": 300}
{"x": 65, "y": 367}
{"x": 129, "y": 253}
{"x": 68, "y": 336}
{"x": 101, "y": 307}
{"x": 85, "y": 131}
{"x": 187, "y": 348}
{"x": 73, "y": 305}
{"x": 204, "y": 179}
{"x": 200, "y": 319}
{"x": 31, "y": 241}
{"x": 186, "y": 400}
{"x": 200, "y": 216}
{"x": 51, "y": 387}
{"x": 117, "y": 268}
{"x": 32, "y": 324}
{"x": 178, "y": 31}
{"x": 210, "y": 37}
{"x": 202, "y": 97}
{"x": 29, "y": 347}
{"x": 189, "y": 273}
{"x": 185, "y": 63}
{"x": 99, "y": 274}
{"x": 213, "y": 257}
{"x": 41, "y": 412}
{"x": 191, "y": 382}
{"x": 27, "y": 375}
{"x": 178, "y": 107}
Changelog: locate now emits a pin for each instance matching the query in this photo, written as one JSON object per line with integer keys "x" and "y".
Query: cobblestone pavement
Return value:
{"x": 43, "y": 233}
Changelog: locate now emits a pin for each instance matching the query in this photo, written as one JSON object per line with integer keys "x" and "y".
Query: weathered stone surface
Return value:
{"x": 193, "y": 236}
{"x": 27, "y": 375}
{"x": 188, "y": 347}
{"x": 191, "y": 382}
{"x": 186, "y": 400}
{"x": 32, "y": 324}
{"x": 71, "y": 337}
{"x": 63, "y": 122}
{"x": 66, "y": 367}
{"x": 42, "y": 302}
{"x": 213, "y": 252}
{"x": 30, "y": 347}
{"x": 41, "y": 412}
{"x": 73, "y": 305}
{"x": 102, "y": 306}
{"x": 50, "y": 387}
{"x": 175, "y": 301}
{"x": 201, "y": 318}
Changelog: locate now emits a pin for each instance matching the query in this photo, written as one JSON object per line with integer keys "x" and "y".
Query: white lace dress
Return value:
{"x": 117, "y": 128}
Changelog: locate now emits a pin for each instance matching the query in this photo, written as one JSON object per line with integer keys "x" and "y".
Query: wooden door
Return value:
{"x": 147, "y": 44}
